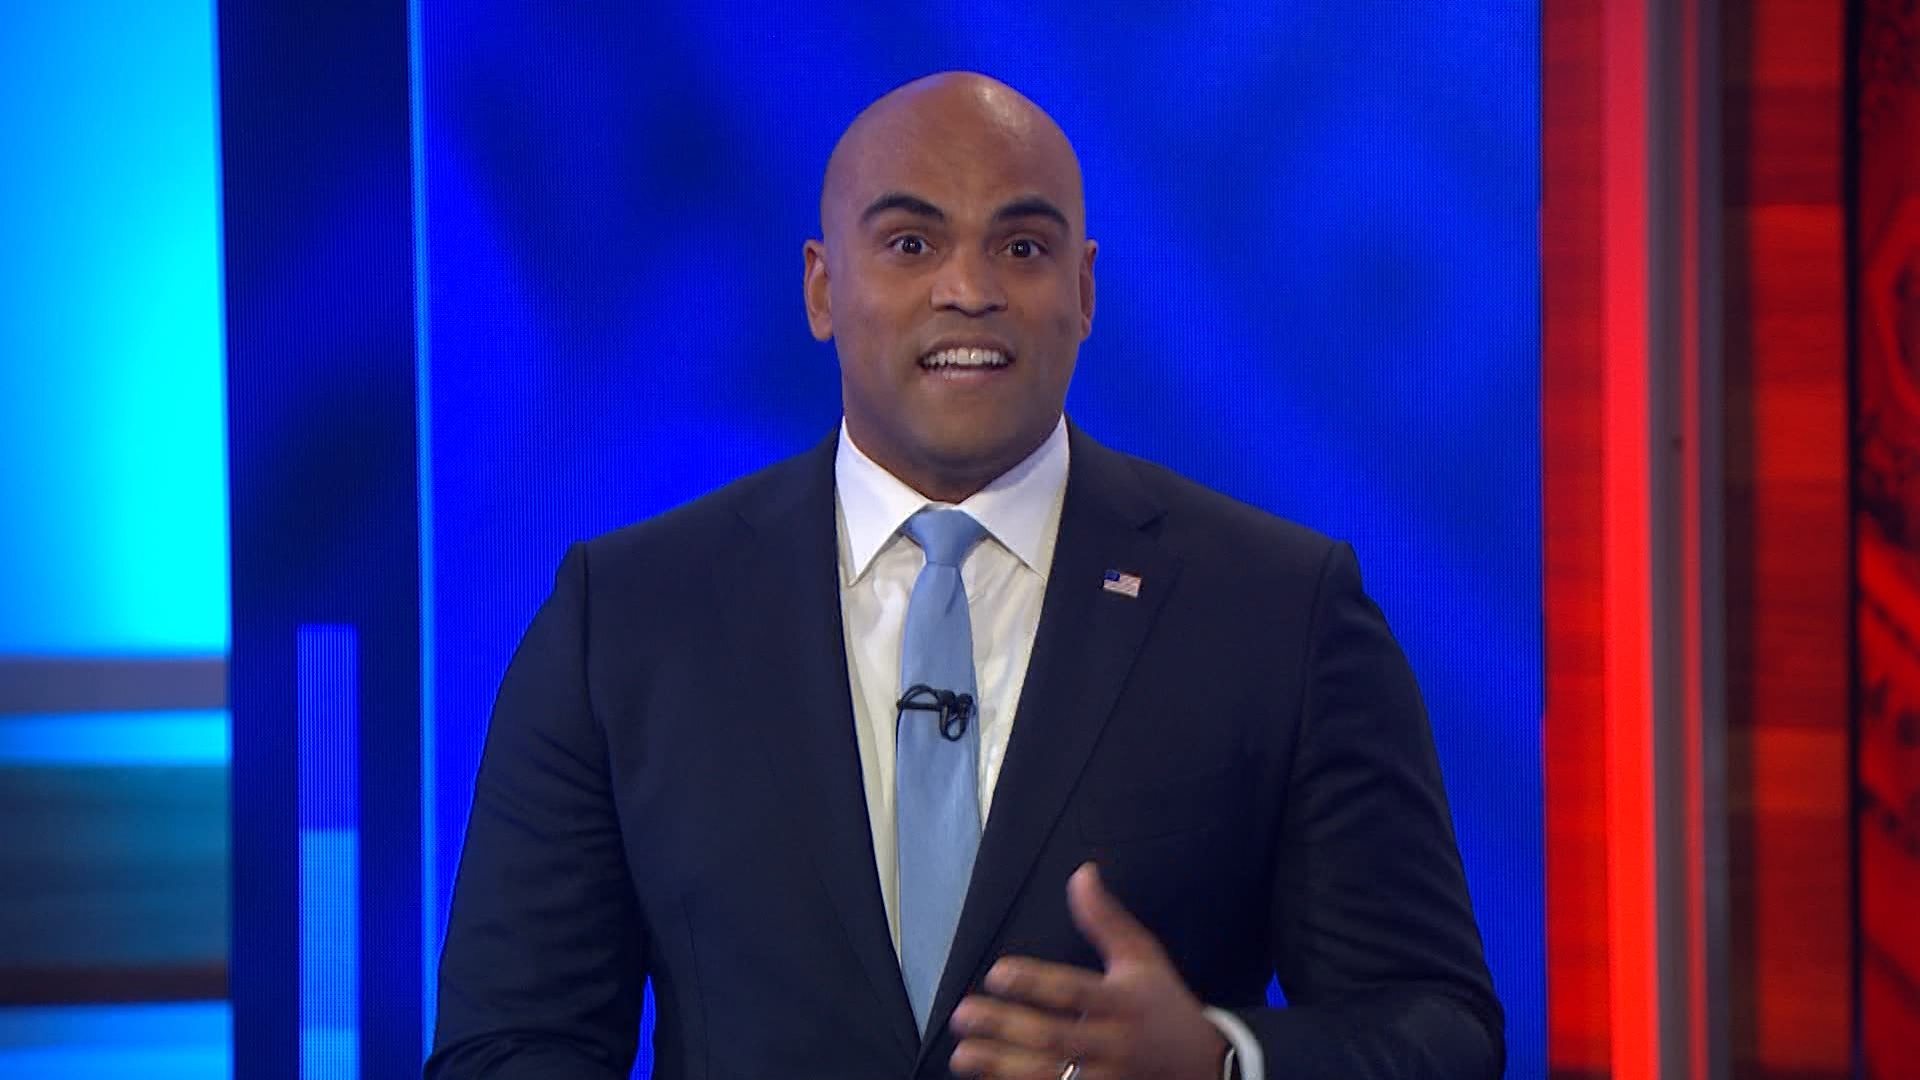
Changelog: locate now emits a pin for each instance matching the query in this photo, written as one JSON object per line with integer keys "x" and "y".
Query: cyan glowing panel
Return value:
{"x": 329, "y": 719}
{"x": 172, "y": 1041}
{"x": 163, "y": 739}
{"x": 112, "y": 400}
{"x": 329, "y": 954}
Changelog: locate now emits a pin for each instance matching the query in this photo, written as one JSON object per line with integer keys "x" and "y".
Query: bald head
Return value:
{"x": 947, "y": 116}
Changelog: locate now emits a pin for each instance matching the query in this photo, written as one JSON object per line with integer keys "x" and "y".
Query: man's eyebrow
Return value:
{"x": 1031, "y": 206}
{"x": 900, "y": 200}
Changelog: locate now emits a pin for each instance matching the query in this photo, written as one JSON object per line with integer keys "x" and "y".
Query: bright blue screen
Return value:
{"x": 112, "y": 399}
{"x": 1318, "y": 292}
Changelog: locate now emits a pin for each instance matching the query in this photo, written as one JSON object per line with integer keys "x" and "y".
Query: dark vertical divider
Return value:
{"x": 325, "y": 496}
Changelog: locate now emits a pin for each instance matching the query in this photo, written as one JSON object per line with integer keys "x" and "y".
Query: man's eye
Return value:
{"x": 1023, "y": 249}
{"x": 910, "y": 245}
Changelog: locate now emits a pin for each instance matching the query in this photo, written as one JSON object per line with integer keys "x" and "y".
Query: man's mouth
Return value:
{"x": 964, "y": 359}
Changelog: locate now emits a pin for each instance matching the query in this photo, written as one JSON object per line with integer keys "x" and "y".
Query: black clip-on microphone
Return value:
{"x": 954, "y": 709}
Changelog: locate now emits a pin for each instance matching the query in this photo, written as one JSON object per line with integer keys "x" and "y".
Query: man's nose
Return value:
{"x": 968, "y": 283}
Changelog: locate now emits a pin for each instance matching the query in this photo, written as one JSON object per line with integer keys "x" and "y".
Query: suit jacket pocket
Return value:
{"x": 1158, "y": 808}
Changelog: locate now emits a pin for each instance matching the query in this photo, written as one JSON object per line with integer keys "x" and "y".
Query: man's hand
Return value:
{"x": 1136, "y": 1021}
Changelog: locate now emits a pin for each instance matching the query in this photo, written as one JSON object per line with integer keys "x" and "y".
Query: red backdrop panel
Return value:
{"x": 1887, "y": 532}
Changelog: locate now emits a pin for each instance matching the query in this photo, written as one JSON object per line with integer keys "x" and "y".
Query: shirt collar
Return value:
{"x": 1017, "y": 508}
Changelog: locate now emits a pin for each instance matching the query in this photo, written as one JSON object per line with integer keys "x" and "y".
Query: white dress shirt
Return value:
{"x": 1005, "y": 577}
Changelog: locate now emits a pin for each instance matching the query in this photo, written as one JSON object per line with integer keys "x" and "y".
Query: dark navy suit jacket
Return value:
{"x": 671, "y": 789}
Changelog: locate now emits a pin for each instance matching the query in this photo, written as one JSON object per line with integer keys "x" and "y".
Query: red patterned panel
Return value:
{"x": 1887, "y": 535}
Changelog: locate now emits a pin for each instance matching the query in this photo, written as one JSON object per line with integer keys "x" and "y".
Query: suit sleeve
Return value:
{"x": 545, "y": 960}
{"x": 1372, "y": 930}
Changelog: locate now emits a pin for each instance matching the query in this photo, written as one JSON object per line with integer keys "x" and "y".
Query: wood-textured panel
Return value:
{"x": 1886, "y": 412}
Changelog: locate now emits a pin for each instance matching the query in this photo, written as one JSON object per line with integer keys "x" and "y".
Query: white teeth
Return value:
{"x": 965, "y": 358}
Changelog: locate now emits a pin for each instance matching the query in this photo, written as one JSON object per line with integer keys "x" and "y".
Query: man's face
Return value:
{"x": 957, "y": 284}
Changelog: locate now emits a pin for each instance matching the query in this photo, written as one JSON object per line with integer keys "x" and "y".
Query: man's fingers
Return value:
{"x": 1001, "y": 1061}
{"x": 1105, "y": 922}
{"x": 1059, "y": 988}
{"x": 1047, "y": 1033}
{"x": 1004, "y": 1045}
{"x": 1060, "y": 1036}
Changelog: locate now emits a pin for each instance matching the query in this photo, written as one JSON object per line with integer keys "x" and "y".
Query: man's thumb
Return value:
{"x": 1103, "y": 920}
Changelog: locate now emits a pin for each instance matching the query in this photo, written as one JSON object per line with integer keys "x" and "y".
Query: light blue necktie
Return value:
{"x": 937, "y": 799}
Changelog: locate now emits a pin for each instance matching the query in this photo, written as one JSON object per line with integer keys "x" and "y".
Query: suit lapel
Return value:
{"x": 1085, "y": 644}
{"x": 786, "y": 601}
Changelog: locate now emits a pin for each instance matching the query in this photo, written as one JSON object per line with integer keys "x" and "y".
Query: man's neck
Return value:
{"x": 951, "y": 486}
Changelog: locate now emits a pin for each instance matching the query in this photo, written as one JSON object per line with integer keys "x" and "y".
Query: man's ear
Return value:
{"x": 814, "y": 290}
{"x": 1086, "y": 288}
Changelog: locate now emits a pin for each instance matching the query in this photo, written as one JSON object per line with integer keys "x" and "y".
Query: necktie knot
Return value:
{"x": 945, "y": 535}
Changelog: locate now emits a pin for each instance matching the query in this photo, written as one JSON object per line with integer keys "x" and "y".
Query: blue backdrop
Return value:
{"x": 1318, "y": 288}
{"x": 1318, "y": 292}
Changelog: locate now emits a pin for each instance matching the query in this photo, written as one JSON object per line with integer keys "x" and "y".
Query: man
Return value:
{"x": 1049, "y": 785}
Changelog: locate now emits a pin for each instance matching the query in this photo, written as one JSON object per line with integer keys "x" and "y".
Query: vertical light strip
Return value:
{"x": 328, "y": 716}
{"x": 1626, "y": 552}
{"x": 1700, "y": 865}
{"x": 423, "y": 453}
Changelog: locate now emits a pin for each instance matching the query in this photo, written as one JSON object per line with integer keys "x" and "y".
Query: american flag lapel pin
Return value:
{"x": 1127, "y": 585}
